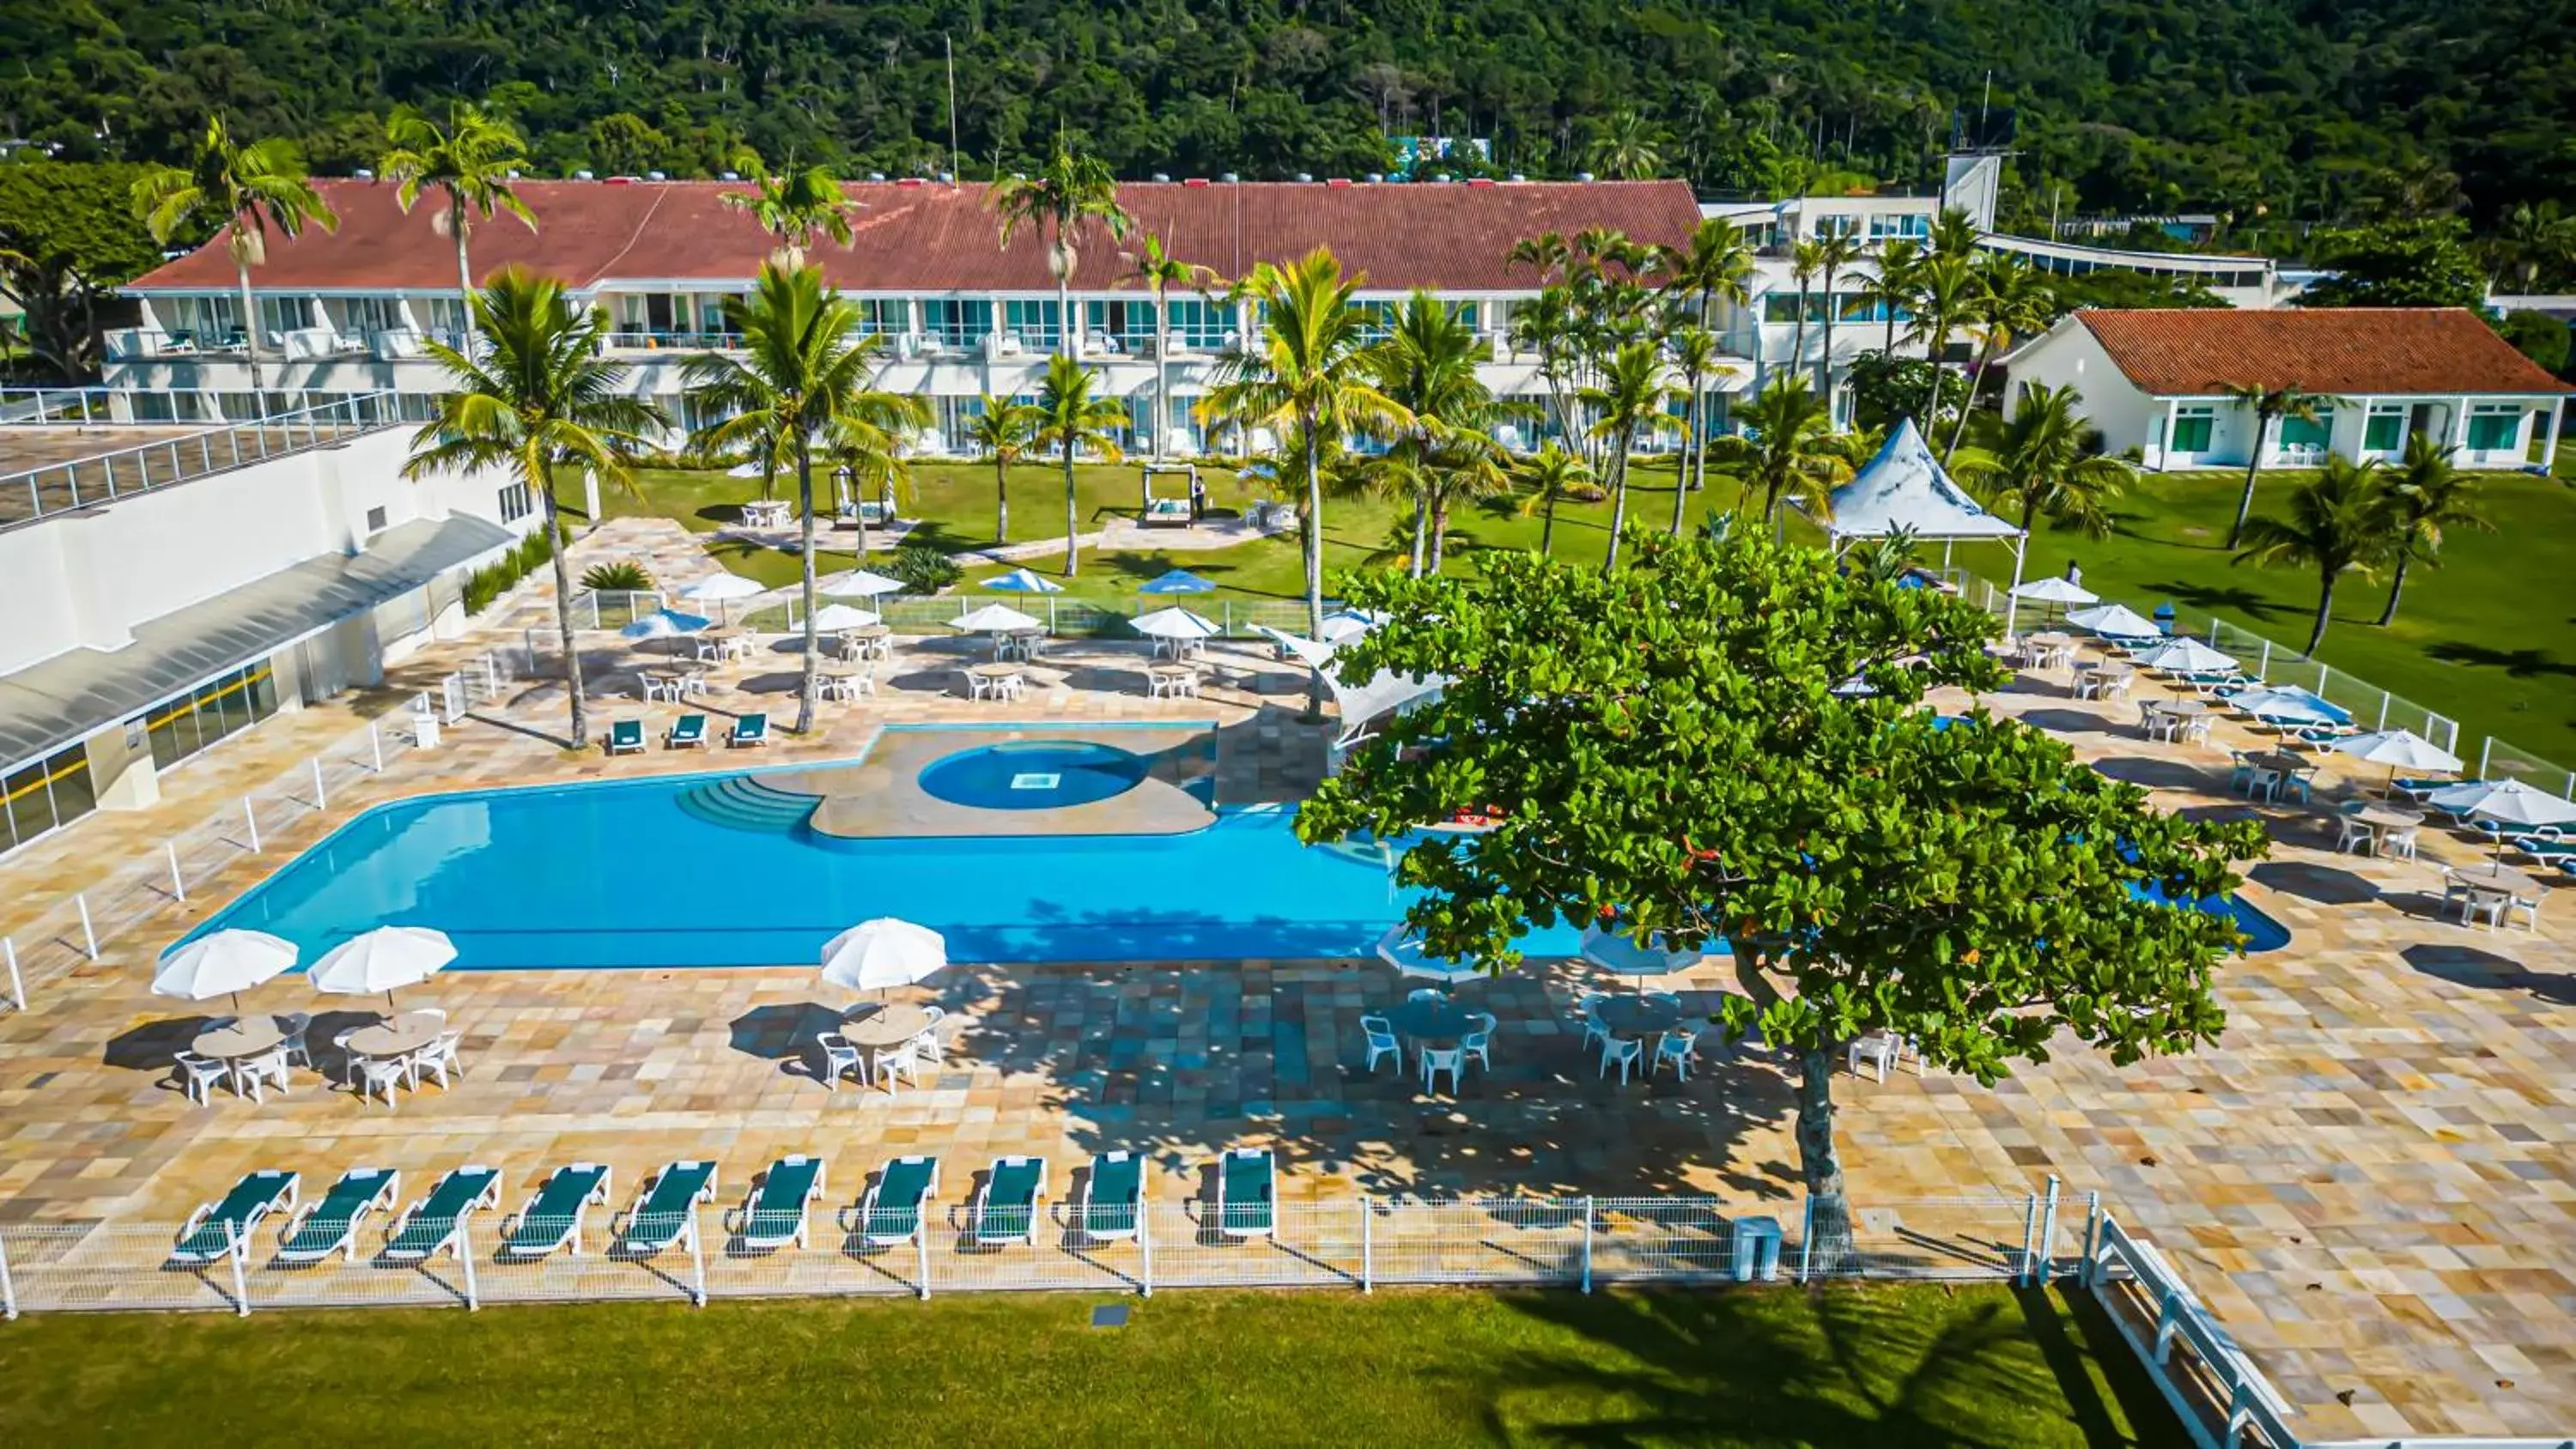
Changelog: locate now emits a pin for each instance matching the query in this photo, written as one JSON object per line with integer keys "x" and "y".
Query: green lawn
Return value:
{"x": 1882, "y": 1365}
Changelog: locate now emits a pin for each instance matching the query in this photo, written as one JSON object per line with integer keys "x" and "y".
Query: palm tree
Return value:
{"x": 2013, "y": 299}
{"x": 1308, "y": 371}
{"x": 1695, "y": 354}
{"x": 1893, "y": 288}
{"x": 2428, "y": 495}
{"x": 1806, "y": 259}
{"x": 1055, "y": 202}
{"x": 1427, "y": 366}
{"x": 475, "y": 158}
{"x": 2045, "y": 459}
{"x": 1715, "y": 263}
{"x": 1833, "y": 253}
{"x": 2340, "y": 521}
{"x": 535, "y": 399}
{"x": 1625, "y": 147}
{"x": 795, "y": 206}
{"x": 801, "y": 376}
{"x": 249, "y": 188}
{"x": 1953, "y": 234}
{"x": 1626, "y": 404}
{"x": 2268, "y": 403}
{"x": 1550, "y": 473}
{"x": 1945, "y": 289}
{"x": 1070, "y": 418}
{"x": 1160, "y": 271}
{"x": 1004, "y": 431}
{"x": 1546, "y": 327}
{"x": 1787, "y": 450}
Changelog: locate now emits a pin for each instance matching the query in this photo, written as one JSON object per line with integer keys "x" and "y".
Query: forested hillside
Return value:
{"x": 2325, "y": 109}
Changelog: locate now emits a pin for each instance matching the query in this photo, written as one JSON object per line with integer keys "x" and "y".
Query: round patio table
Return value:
{"x": 884, "y": 1028}
{"x": 2388, "y": 817}
{"x": 1435, "y": 1024}
{"x": 249, "y": 1037}
{"x": 2493, "y": 877}
{"x": 1637, "y": 1016}
{"x": 996, "y": 677}
{"x": 2187, "y": 708}
{"x": 400, "y": 1036}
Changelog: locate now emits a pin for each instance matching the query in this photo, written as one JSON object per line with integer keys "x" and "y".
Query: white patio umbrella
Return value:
{"x": 384, "y": 959}
{"x": 993, "y": 619}
{"x": 2055, "y": 590}
{"x": 2186, "y": 656}
{"x": 2117, "y": 621}
{"x": 1021, "y": 581}
{"x": 721, "y": 588}
{"x": 1174, "y": 624}
{"x": 2506, "y": 802}
{"x": 1402, "y": 949}
{"x": 882, "y": 954}
{"x": 221, "y": 963}
{"x": 858, "y": 584}
{"x": 1616, "y": 951}
{"x": 833, "y": 617}
{"x": 2398, "y": 750}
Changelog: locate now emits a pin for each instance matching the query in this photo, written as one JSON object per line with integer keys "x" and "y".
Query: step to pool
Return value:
{"x": 742, "y": 802}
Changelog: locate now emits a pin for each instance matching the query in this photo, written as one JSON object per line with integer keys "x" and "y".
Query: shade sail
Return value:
{"x": 1905, "y": 490}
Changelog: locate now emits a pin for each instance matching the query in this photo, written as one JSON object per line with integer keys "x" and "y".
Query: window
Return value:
{"x": 2307, "y": 435}
{"x": 207, "y": 321}
{"x": 1378, "y": 319}
{"x": 1885, "y": 225}
{"x": 2192, "y": 427}
{"x": 2385, "y": 432}
{"x": 1033, "y": 322}
{"x": 1125, "y": 320}
{"x": 45, "y": 796}
{"x": 2494, "y": 427}
{"x": 183, "y": 724}
{"x": 884, "y": 316}
{"x": 1200, "y": 323}
{"x": 1827, "y": 226}
{"x": 376, "y": 519}
{"x": 362, "y": 315}
{"x": 954, "y": 322}
{"x": 515, "y": 502}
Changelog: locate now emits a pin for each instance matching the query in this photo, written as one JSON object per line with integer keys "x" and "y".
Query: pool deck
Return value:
{"x": 2369, "y": 1178}
{"x": 881, "y": 797}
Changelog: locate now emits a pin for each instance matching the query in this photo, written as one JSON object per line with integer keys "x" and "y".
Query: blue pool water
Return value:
{"x": 1033, "y": 774}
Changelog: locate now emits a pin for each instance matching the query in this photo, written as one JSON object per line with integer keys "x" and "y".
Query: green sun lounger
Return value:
{"x": 331, "y": 1225}
{"x": 552, "y": 1218}
{"x": 626, "y": 737}
{"x": 215, "y": 1227}
{"x": 891, "y": 1212}
{"x": 1246, "y": 1205}
{"x": 751, "y": 729}
{"x": 1113, "y": 1196}
{"x": 661, "y": 1211}
{"x": 772, "y": 1214}
{"x": 688, "y": 732}
{"x": 1006, "y": 1208}
{"x": 433, "y": 1225}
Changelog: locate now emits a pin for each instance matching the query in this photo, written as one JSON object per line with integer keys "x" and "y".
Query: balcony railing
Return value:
{"x": 105, "y": 477}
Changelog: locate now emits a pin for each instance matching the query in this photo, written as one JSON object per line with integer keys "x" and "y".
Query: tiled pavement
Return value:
{"x": 2368, "y": 1178}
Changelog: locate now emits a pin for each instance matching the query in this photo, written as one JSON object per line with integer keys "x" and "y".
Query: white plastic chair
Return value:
{"x": 438, "y": 1059}
{"x": 1680, "y": 1048}
{"x": 839, "y": 1057}
{"x": 197, "y": 1073}
{"x": 378, "y": 1076}
{"x": 925, "y": 1052}
{"x": 1625, "y": 1052}
{"x": 1593, "y": 1030}
{"x": 2399, "y": 843}
{"x": 1380, "y": 1034}
{"x": 1876, "y": 1052}
{"x": 893, "y": 1063}
{"x": 928, "y": 1046}
{"x": 2351, "y": 835}
{"x": 251, "y": 1073}
{"x": 298, "y": 1051}
{"x": 1479, "y": 1042}
{"x": 1434, "y": 1062}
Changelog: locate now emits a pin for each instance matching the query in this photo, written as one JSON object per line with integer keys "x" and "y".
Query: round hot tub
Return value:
{"x": 1033, "y": 775}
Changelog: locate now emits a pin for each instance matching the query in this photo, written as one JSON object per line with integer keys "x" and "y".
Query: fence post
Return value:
{"x": 1807, "y": 1238}
{"x": 1587, "y": 1242}
{"x": 1367, "y": 1274}
{"x": 17, "y": 984}
{"x": 376, "y": 745}
{"x": 921, "y": 1252}
{"x": 320, "y": 801}
{"x": 8, "y": 1286}
{"x": 465, "y": 1256}
{"x": 2485, "y": 749}
{"x": 89, "y": 933}
{"x": 240, "y": 1247}
{"x": 178, "y": 886}
{"x": 2048, "y": 1232}
{"x": 2265, "y": 667}
{"x": 2029, "y": 1233}
{"x": 2092, "y": 1236}
{"x": 697, "y": 1261}
{"x": 1145, "y": 1245}
{"x": 250, "y": 818}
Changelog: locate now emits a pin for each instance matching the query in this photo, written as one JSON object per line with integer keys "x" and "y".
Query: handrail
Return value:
{"x": 58, "y": 488}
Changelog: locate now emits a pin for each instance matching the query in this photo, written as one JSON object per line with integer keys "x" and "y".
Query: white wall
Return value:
{"x": 2068, "y": 354}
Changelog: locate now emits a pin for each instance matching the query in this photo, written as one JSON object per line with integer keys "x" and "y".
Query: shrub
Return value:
{"x": 923, "y": 569}
{"x": 494, "y": 579}
{"x": 622, "y": 577}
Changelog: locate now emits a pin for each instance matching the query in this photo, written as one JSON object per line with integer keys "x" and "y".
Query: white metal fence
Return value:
{"x": 75, "y": 932}
{"x": 1065, "y": 615}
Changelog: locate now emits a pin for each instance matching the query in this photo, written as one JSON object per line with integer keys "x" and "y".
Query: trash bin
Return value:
{"x": 1757, "y": 1249}
{"x": 424, "y": 729}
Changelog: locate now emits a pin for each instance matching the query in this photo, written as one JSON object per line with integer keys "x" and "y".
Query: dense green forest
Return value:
{"x": 2272, "y": 113}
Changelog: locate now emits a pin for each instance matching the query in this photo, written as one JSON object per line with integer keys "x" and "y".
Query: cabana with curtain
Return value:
{"x": 1904, "y": 490}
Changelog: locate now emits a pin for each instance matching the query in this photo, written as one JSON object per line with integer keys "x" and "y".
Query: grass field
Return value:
{"x": 1882, "y": 1365}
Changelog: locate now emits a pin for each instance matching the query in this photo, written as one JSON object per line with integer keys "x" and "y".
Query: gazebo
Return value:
{"x": 1904, "y": 490}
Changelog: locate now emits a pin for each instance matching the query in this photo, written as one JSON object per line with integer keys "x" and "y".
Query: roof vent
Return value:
{"x": 1338, "y": 181}
{"x": 948, "y": 176}
{"x": 910, "y": 181}
{"x": 1480, "y": 181}
{"x": 1306, "y": 176}
{"x": 1196, "y": 181}
{"x": 876, "y": 176}
{"x": 363, "y": 174}
{"x": 1164, "y": 177}
{"x": 1517, "y": 176}
{"x": 1582, "y": 175}
{"x": 622, "y": 180}
{"x": 656, "y": 176}
{"x": 1019, "y": 176}
{"x": 728, "y": 176}
{"x": 1376, "y": 176}
{"x": 581, "y": 176}
{"x": 1229, "y": 178}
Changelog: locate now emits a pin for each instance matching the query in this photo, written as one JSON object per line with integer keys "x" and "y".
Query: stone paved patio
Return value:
{"x": 2368, "y": 1179}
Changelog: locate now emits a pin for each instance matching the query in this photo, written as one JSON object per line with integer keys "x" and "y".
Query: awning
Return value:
{"x": 1904, "y": 490}
{"x": 46, "y": 706}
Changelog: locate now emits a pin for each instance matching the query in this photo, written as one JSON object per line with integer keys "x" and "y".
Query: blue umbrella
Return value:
{"x": 1021, "y": 581}
{"x": 1178, "y": 581}
{"x": 664, "y": 624}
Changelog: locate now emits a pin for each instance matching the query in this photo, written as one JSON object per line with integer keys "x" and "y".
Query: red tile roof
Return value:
{"x": 2339, "y": 351}
{"x": 929, "y": 237}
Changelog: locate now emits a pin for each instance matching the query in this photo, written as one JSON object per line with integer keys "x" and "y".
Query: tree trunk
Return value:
{"x": 2253, "y": 466}
{"x": 1547, "y": 523}
{"x": 250, "y": 342}
{"x": 1618, "y": 501}
{"x": 1307, "y": 425}
{"x": 1935, "y": 341}
{"x": 456, "y": 224}
{"x": 1439, "y": 533}
{"x": 1825, "y": 364}
{"x": 1072, "y": 548}
{"x": 1798, "y": 338}
{"x": 1064, "y": 314}
{"x": 1162, "y": 371}
{"x": 2396, "y": 585}
{"x": 1421, "y": 520}
{"x": 1001, "y": 500}
{"x": 563, "y": 609}
{"x": 1830, "y": 1230}
{"x": 1681, "y": 468}
{"x": 2325, "y": 610}
{"x": 805, "y": 690}
{"x": 1968, "y": 404}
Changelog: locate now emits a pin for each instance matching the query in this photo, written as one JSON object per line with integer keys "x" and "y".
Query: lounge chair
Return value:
{"x": 751, "y": 729}
{"x": 552, "y": 1218}
{"x": 331, "y": 1225}
{"x": 215, "y": 1227}
{"x": 688, "y": 732}
{"x": 1006, "y": 1209}
{"x": 626, "y": 737}
{"x": 1113, "y": 1196}
{"x": 772, "y": 1214}
{"x": 662, "y": 1210}
{"x": 434, "y": 1224}
{"x": 891, "y": 1211}
{"x": 1246, "y": 1205}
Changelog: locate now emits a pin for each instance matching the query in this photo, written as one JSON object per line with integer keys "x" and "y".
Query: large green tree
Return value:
{"x": 2340, "y": 521}
{"x": 68, "y": 236}
{"x": 1671, "y": 749}
{"x": 2427, "y": 497}
{"x": 249, "y": 188}
{"x": 1003, "y": 430}
{"x": 1073, "y": 189}
{"x": 534, "y": 402}
{"x": 798, "y": 206}
{"x": 2046, "y": 461}
{"x": 2416, "y": 262}
{"x": 1786, "y": 450}
{"x": 2268, "y": 402}
{"x": 1072, "y": 416}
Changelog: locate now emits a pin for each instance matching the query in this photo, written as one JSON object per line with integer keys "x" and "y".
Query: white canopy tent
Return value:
{"x": 1384, "y": 694}
{"x": 1904, "y": 490}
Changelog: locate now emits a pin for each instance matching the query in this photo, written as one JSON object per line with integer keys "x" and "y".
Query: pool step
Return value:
{"x": 741, "y": 802}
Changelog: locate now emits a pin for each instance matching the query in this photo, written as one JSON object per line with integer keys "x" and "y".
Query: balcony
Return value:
{"x": 669, "y": 341}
